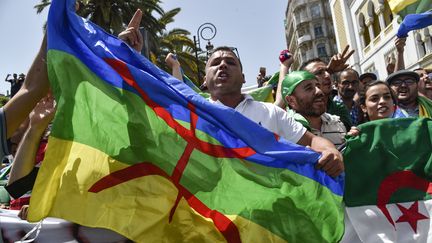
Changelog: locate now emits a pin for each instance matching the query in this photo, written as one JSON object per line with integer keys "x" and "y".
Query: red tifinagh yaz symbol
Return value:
{"x": 222, "y": 223}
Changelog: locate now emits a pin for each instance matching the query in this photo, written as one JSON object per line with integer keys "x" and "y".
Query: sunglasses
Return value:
{"x": 407, "y": 82}
{"x": 349, "y": 82}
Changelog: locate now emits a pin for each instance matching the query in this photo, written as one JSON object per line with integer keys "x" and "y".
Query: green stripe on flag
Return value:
{"x": 231, "y": 186}
{"x": 404, "y": 7}
{"x": 126, "y": 119}
{"x": 237, "y": 185}
{"x": 384, "y": 148}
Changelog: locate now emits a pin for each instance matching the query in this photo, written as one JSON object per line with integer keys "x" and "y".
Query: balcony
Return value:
{"x": 303, "y": 39}
{"x": 301, "y": 20}
{"x": 297, "y": 3}
{"x": 309, "y": 55}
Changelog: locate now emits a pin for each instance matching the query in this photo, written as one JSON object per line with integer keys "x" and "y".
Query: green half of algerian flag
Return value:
{"x": 388, "y": 180}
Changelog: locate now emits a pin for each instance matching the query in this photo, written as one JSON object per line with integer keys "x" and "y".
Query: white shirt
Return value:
{"x": 270, "y": 117}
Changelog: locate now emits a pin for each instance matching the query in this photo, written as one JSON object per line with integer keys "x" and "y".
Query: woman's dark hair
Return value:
{"x": 375, "y": 83}
{"x": 362, "y": 96}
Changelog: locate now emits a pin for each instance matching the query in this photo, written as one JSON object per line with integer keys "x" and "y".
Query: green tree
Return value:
{"x": 3, "y": 100}
{"x": 177, "y": 41}
{"x": 114, "y": 15}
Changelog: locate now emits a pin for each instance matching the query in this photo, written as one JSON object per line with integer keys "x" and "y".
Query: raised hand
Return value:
{"x": 43, "y": 113}
{"x": 132, "y": 34}
{"x": 286, "y": 58}
{"x": 172, "y": 61}
{"x": 338, "y": 62}
{"x": 400, "y": 44}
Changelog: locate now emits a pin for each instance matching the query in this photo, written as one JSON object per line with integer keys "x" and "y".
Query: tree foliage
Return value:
{"x": 114, "y": 15}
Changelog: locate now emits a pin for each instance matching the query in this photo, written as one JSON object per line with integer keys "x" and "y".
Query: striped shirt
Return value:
{"x": 332, "y": 129}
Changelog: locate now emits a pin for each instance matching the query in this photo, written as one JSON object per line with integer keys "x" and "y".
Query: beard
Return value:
{"x": 309, "y": 108}
{"x": 348, "y": 94}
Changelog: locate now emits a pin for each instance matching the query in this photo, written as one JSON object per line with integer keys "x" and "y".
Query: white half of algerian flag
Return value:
{"x": 369, "y": 224}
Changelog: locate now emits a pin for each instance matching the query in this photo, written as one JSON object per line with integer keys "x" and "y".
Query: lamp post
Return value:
{"x": 206, "y": 31}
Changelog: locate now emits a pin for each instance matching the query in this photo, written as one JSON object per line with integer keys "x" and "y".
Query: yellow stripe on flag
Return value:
{"x": 423, "y": 112}
{"x": 398, "y": 5}
{"x": 138, "y": 209}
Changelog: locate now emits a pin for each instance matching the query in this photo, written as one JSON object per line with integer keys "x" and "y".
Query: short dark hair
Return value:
{"x": 228, "y": 49}
{"x": 347, "y": 70}
{"x": 304, "y": 64}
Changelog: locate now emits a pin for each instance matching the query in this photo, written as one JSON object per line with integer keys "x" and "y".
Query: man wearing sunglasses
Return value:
{"x": 404, "y": 84}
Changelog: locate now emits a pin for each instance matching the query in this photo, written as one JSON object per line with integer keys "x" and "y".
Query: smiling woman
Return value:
{"x": 378, "y": 101}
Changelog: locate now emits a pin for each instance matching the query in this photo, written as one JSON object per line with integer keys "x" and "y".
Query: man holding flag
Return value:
{"x": 224, "y": 79}
{"x": 157, "y": 162}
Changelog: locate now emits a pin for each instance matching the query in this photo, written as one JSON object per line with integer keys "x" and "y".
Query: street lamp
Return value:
{"x": 206, "y": 31}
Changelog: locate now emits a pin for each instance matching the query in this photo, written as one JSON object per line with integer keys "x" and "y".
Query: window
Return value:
{"x": 375, "y": 24}
{"x": 322, "y": 52}
{"x": 318, "y": 31}
{"x": 427, "y": 40}
{"x": 315, "y": 11}
{"x": 421, "y": 47}
{"x": 388, "y": 15}
{"x": 364, "y": 28}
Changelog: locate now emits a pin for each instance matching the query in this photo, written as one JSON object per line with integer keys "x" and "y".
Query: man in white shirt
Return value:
{"x": 224, "y": 79}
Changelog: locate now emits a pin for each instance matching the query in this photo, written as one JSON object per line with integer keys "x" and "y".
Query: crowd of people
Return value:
{"x": 306, "y": 110}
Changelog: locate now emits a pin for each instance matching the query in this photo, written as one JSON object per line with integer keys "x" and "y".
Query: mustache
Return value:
{"x": 319, "y": 96}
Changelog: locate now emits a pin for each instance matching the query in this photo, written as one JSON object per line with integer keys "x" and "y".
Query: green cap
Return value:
{"x": 293, "y": 79}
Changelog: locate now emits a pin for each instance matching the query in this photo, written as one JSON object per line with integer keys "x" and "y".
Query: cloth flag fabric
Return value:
{"x": 415, "y": 14}
{"x": 414, "y": 22}
{"x": 388, "y": 181}
{"x": 265, "y": 93}
{"x": 425, "y": 107}
{"x": 405, "y": 7}
{"x": 134, "y": 150}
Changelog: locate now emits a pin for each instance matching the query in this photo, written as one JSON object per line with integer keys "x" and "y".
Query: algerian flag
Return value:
{"x": 388, "y": 182}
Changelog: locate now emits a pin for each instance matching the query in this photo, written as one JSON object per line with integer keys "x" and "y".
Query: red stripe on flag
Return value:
{"x": 205, "y": 147}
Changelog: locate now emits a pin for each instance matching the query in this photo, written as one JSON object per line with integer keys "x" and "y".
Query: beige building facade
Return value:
{"x": 369, "y": 27}
{"x": 309, "y": 30}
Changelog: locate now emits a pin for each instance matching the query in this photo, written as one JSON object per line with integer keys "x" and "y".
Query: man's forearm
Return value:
{"x": 320, "y": 144}
{"x": 177, "y": 73}
{"x": 35, "y": 86}
{"x": 24, "y": 160}
{"x": 279, "y": 99}
{"x": 400, "y": 62}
